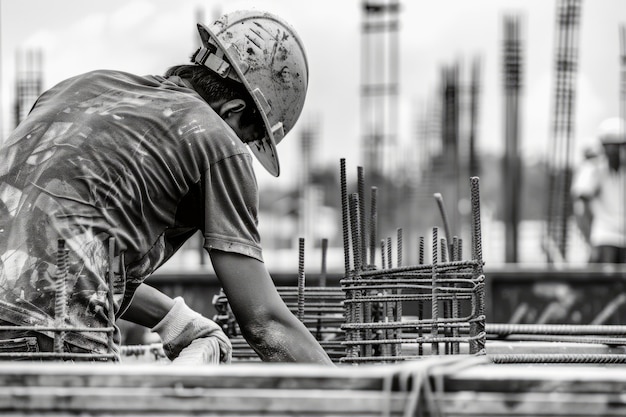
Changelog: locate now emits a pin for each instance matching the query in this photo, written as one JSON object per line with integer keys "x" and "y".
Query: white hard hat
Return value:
{"x": 612, "y": 131}
{"x": 264, "y": 53}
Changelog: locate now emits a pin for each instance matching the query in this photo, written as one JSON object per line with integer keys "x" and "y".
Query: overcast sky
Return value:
{"x": 147, "y": 36}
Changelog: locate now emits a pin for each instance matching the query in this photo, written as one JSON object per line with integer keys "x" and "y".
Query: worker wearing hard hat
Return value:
{"x": 599, "y": 190}
{"x": 148, "y": 161}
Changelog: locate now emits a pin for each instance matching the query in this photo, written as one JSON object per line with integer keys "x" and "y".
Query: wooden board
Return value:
{"x": 453, "y": 386}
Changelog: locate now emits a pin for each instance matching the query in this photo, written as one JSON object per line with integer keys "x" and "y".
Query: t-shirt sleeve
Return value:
{"x": 231, "y": 202}
{"x": 586, "y": 180}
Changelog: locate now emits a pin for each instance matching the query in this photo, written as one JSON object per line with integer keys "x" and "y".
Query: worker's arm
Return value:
{"x": 583, "y": 215}
{"x": 148, "y": 306}
{"x": 264, "y": 319}
{"x": 185, "y": 333}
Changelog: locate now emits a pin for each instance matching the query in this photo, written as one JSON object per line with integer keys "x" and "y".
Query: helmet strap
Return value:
{"x": 213, "y": 59}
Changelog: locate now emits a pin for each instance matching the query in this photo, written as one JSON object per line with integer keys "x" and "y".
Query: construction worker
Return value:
{"x": 148, "y": 161}
{"x": 598, "y": 192}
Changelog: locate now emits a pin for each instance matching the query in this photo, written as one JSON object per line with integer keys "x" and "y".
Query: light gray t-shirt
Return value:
{"x": 109, "y": 154}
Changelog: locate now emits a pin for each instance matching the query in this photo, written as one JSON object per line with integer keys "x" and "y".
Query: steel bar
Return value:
{"x": 373, "y": 224}
{"x": 397, "y": 349}
{"x": 560, "y": 329}
{"x": 361, "y": 214}
{"x": 558, "y": 358}
{"x": 512, "y": 173}
{"x": 444, "y": 218}
{"x": 435, "y": 300}
{"x": 58, "y": 328}
{"x": 60, "y": 296}
{"x": 477, "y": 327}
{"x": 110, "y": 293}
{"x": 301, "y": 278}
{"x": 560, "y": 152}
{"x": 56, "y": 355}
{"x": 345, "y": 221}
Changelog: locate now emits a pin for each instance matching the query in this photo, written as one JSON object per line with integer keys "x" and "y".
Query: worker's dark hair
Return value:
{"x": 213, "y": 87}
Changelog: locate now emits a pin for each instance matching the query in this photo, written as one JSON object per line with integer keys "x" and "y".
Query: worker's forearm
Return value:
{"x": 265, "y": 321}
{"x": 148, "y": 306}
{"x": 288, "y": 342}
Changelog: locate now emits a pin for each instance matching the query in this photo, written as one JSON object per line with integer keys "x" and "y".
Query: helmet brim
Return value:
{"x": 263, "y": 149}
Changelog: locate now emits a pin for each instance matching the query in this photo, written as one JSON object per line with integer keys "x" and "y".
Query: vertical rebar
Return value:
{"x": 362, "y": 223}
{"x": 322, "y": 283}
{"x": 477, "y": 249}
{"x": 562, "y": 129}
{"x": 301, "y": 278}
{"x": 355, "y": 227}
{"x": 477, "y": 327}
{"x": 373, "y": 224}
{"x": 110, "y": 292}
{"x": 444, "y": 219}
{"x": 456, "y": 305}
{"x": 60, "y": 296}
{"x": 434, "y": 295}
{"x": 345, "y": 217}
{"x": 399, "y": 247}
{"x": 358, "y": 265}
{"x": 398, "y": 333}
{"x": 348, "y": 307}
{"x": 383, "y": 262}
{"x": 420, "y": 303}
{"x": 444, "y": 249}
{"x": 445, "y": 303}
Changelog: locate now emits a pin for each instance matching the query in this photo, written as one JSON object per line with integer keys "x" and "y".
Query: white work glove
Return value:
{"x": 192, "y": 337}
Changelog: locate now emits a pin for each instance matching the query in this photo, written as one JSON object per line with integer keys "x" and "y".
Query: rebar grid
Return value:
{"x": 61, "y": 325}
{"x": 375, "y": 327}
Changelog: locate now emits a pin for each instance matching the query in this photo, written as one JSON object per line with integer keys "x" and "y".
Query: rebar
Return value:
{"x": 512, "y": 174}
{"x": 558, "y": 358}
{"x": 301, "y": 278}
{"x": 348, "y": 310}
{"x": 60, "y": 296}
{"x": 444, "y": 219}
{"x": 361, "y": 214}
{"x": 397, "y": 349}
{"x": 557, "y": 329}
{"x": 355, "y": 228}
{"x": 435, "y": 302}
{"x": 373, "y": 224}
{"x": 560, "y": 152}
{"x": 383, "y": 262}
{"x": 373, "y": 324}
{"x": 110, "y": 292}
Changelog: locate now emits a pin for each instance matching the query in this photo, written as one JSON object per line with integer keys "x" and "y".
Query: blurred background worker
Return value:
{"x": 598, "y": 190}
{"x": 148, "y": 161}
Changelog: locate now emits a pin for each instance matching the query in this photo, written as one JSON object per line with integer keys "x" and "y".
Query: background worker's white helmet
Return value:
{"x": 263, "y": 52}
{"x": 611, "y": 131}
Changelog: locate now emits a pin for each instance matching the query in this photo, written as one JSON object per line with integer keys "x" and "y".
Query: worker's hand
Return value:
{"x": 205, "y": 350}
{"x": 187, "y": 333}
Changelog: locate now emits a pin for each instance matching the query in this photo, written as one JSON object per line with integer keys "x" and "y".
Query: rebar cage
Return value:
{"x": 60, "y": 326}
{"x": 445, "y": 298}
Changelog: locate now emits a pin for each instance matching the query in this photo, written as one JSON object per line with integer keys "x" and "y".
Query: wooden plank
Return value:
{"x": 463, "y": 386}
{"x": 512, "y": 378}
{"x": 531, "y": 404}
{"x": 255, "y": 375}
{"x": 192, "y": 400}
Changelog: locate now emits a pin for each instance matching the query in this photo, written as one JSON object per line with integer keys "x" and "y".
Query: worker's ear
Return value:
{"x": 236, "y": 105}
